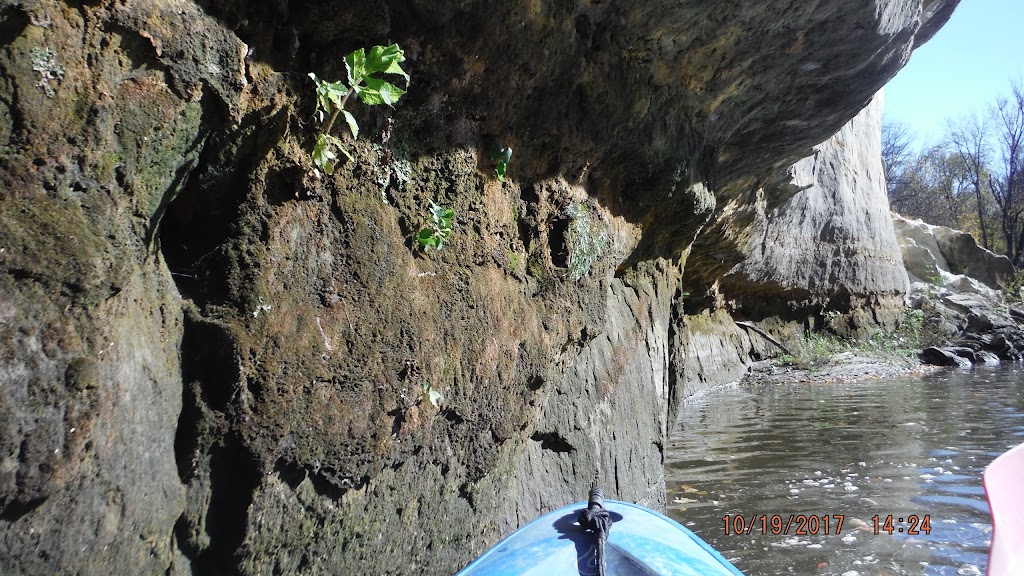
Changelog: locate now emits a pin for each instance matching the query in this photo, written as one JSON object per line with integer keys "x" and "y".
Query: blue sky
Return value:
{"x": 964, "y": 67}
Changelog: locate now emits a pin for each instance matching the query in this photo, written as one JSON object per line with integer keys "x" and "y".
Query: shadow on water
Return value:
{"x": 914, "y": 446}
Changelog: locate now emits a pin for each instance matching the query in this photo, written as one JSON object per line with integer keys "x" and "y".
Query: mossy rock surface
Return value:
{"x": 216, "y": 362}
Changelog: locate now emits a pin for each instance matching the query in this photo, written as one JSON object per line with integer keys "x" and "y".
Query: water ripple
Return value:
{"x": 864, "y": 452}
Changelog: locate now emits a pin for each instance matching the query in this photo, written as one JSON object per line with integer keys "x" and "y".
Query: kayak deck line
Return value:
{"x": 642, "y": 542}
{"x": 599, "y": 521}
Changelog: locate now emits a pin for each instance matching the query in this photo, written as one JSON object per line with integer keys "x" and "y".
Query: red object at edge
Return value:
{"x": 1004, "y": 488}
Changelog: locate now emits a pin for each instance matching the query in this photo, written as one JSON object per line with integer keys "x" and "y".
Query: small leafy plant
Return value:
{"x": 437, "y": 232}
{"x": 1014, "y": 288}
{"x": 501, "y": 159}
{"x": 331, "y": 97}
{"x": 432, "y": 395}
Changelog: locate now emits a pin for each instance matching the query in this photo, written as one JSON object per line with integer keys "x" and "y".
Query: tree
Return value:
{"x": 1007, "y": 179}
{"x": 969, "y": 137}
{"x": 933, "y": 186}
{"x": 973, "y": 181}
{"x": 896, "y": 152}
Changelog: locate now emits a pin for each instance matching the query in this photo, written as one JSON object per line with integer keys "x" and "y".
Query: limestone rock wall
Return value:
{"x": 831, "y": 244}
{"x": 214, "y": 362}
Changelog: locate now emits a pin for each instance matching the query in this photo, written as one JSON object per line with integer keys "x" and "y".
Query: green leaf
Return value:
{"x": 325, "y": 152}
{"x": 328, "y": 95}
{"x": 386, "y": 59}
{"x": 355, "y": 63}
{"x": 446, "y": 217}
{"x": 378, "y": 91}
{"x": 323, "y": 156}
{"x": 426, "y": 238}
{"x": 386, "y": 91}
{"x": 351, "y": 121}
{"x": 336, "y": 92}
{"x": 369, "y": 96}
{"x": 500, "y": 169}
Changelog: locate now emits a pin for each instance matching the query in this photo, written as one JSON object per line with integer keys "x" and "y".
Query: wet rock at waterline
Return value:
{"x": 947, "y": 357}
{"x": 979, "y": 329}
{"x": 214, "y": 361}
{"x": 959, "y": 356}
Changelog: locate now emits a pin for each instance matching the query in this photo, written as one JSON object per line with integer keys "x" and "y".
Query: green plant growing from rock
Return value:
{"x": 935, "y": 279}
{"x": 913, "y": 333}
{"x": 501, "y": 159}
{"x": 438, "y": 229}
{"x": 331, "y": 97}
{"x": 1014, "y": 288}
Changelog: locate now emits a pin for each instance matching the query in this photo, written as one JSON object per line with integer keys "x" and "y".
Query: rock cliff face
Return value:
{"x": 832, "y": 244}
{"x": 214, "y": 362}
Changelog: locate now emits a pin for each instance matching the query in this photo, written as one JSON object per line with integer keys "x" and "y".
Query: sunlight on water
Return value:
{"x": 774, "y": 460}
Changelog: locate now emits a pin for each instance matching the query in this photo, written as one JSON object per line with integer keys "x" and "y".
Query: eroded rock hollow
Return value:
{"x": 212, "y": 361}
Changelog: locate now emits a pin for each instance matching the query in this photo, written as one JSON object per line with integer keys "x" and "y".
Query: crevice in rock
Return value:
{"x": 199, "y": 224}
{"x": 398, "y": 414}
{"x": 193, "y": 233}
{"x": 209, "y": 357}
{"x": 137, "y": 48}
{"x": 557, "y": 243}
{"x": 453, "y": 416}
{"x": 672, "y": 391}
{"x": 466, "y": 494}
{"x": 186, "y": 437}
{"x": 234, "y": 477}
{"x": 325, "y": 480}
{"x": 12, "y": 23}
{"x": 553, "y": 441}
{"x": 526, "y": 223}
{"x": 18, "y": 509}
{"x": 210, "y": 456}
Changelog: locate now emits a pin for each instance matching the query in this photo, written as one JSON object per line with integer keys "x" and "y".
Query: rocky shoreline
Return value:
{"x": 841, "y": 367}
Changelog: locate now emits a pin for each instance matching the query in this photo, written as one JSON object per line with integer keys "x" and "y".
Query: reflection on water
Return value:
{"x": 902, "y": 447}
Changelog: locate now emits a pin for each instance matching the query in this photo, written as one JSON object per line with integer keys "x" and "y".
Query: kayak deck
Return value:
{"x": 641, "y": 542}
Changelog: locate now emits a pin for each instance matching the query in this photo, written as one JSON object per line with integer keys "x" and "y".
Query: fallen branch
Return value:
{"x": 763, "y": 334}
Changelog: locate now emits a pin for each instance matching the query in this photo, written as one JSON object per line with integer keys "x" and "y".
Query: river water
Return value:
{"x": 857, "y": 452}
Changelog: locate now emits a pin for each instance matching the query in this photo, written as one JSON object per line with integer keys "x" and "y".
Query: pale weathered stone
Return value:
{"x": 929, "y": 250}
{"x": 832, "y": 242}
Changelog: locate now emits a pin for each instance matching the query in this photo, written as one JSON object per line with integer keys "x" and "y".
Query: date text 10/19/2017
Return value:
{"x": 813, "y": 525}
